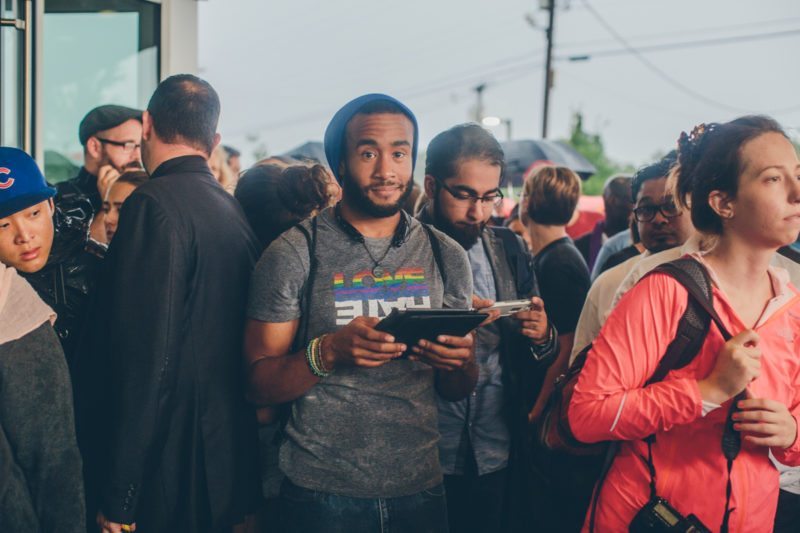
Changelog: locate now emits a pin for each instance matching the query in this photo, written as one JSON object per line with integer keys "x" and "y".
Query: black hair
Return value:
{"x": 465, "y": 141}
{"x": 659, "y": 169}
{"x": 709, "y": 159}
{"x": 185, "y": 109}
{"x": 134, "y": 177}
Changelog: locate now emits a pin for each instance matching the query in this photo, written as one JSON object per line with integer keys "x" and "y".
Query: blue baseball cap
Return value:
{"x": 21, "y": 182}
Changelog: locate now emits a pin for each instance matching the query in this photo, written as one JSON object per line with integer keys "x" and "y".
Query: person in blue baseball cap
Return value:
{"x": 361, "y": 442}
{"x": 41, "y": 482}
{"x": 50, "y": 248}
{"x": 26, "y": 212}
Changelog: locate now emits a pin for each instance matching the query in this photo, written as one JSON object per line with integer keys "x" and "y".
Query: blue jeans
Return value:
{"x": 310, "y": 511}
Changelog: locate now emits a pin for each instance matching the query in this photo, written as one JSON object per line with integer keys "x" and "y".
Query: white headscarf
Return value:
{"x": 21, "y": 309}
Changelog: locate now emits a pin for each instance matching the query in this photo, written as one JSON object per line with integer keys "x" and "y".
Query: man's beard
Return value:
{"x": 464, "y": 234}
{"x": 130, "y": 165}
{"x": 358, "y": 199}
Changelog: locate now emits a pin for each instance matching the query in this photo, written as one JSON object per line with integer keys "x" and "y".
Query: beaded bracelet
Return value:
{"x": 314, "y": 358}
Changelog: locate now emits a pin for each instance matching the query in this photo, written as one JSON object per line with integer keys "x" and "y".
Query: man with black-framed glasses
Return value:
{"x": 483, "y": 448}
{"x": 660, "y": 225}
{"x": 111, "y": 136}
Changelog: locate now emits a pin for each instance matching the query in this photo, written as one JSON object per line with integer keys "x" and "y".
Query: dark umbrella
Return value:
{"x": 522, "y": 155}
{"x": 312, "y": 150}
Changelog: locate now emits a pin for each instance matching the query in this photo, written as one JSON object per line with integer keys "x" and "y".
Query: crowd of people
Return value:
{"x": 189, "y": 346}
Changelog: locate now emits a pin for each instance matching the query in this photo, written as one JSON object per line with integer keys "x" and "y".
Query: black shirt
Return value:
{"x": 563, "y": 282}
{"x": 618, "y": 258}
{"x": 82, "y": 186}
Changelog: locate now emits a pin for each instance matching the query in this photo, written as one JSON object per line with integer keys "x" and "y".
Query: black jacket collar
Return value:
{"x": 181, "y": 165}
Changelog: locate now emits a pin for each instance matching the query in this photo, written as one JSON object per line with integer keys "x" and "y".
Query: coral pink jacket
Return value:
{"x": 611, "y": 403}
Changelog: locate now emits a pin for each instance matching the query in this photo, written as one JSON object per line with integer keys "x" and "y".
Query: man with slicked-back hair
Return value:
{"x": 177, "y": 442}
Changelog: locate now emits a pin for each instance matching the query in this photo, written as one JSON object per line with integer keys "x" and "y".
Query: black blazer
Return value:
{"x": 175, "y": 439}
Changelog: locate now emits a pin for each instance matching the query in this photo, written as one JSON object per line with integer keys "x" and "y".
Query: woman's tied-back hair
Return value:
{"x": 304, "y": 190}
{"x": 709, "y": 159}
{"x": 275, "y": 198}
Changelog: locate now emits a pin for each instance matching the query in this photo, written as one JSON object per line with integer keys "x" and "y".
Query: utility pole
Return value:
{"x": 548, "y": 72}
{"x": 479, "y": 106}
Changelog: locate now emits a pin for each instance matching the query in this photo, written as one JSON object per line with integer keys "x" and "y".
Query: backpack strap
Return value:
{"x": 436, "y": 248}
{"x": 285, "y": 409}
{"x": 519, "y": 260}
{"x": 305, "y": 296}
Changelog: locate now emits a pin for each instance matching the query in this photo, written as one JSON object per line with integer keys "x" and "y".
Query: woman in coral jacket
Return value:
{"x": 743, "y": 178}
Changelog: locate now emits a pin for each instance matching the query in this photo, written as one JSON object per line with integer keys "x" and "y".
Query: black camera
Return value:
{"x": 659, "y": 515}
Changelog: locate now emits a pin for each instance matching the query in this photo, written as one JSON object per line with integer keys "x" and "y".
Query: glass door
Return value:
{"x": 15, "y": 69}
{"x": 95, "y": 52}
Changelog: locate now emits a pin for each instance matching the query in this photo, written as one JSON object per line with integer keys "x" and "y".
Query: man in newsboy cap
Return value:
{"x": 111, "y": 136}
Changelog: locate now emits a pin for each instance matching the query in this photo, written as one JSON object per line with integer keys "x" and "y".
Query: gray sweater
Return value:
{"x": 41, "y": 483}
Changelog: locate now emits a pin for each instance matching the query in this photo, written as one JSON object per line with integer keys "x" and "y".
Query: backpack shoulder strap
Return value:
{"x": 305, "y": 296}
{"x": 285, "y": 409}
{"x": 519, "y": 260}
{"x": 436, "y": 248}
{"x": 694, "y": 324}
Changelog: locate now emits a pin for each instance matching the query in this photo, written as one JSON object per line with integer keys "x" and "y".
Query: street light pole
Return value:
{"x": 479, "y": 104}
{"x": 548, "y": 73}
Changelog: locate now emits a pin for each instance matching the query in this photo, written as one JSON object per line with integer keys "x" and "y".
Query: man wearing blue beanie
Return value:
{"x": 360, "y": 447}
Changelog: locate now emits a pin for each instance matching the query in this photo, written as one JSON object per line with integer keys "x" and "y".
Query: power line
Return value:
{"x": 704, "y": 30}
{"x": 521, "y": 65}
{"x": 688, "y": 44}
{"x": 663, "y": 75}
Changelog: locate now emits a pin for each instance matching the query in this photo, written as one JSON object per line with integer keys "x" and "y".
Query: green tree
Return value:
{"x": 590, "y": 145}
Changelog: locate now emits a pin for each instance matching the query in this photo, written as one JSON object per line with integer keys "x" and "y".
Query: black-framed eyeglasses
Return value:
{"x": 494, "y": 198}
{"x": 127, "y": 146}
{"x": 646, "y": 213}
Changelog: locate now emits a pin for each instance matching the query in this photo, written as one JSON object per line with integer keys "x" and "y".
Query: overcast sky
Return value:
{"x": 283, "y": 67}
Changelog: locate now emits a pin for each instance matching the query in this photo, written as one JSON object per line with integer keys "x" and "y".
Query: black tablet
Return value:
{"x": 410, "y": 325}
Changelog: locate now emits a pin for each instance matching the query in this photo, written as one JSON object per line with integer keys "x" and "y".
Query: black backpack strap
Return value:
{"x": 519, "y": 260}
{"x": 305, "y": 297}
{"x": 694, "y": 277}
{"x": 436, "y": 248}
{"x": 285, "y": 409}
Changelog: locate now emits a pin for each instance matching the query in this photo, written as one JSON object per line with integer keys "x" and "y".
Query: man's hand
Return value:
{"x": 112, "y": 527}
{"x": 360, "y": 344}
{"x": 448, "y": 353}
{"x": 106, "y": 177}
{"x": 483, "y": 303}
{"x": 765, "y": 423}
{"x": 534, "y": 321}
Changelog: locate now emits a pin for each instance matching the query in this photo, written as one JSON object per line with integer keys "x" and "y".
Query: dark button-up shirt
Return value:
{"x": 476, "y": 424}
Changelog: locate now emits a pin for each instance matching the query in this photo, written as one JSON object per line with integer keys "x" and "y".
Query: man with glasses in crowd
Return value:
{"x": 661, "y": 225}
{"x": 483, "y": 437}
{"x": 111, "y": 136}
